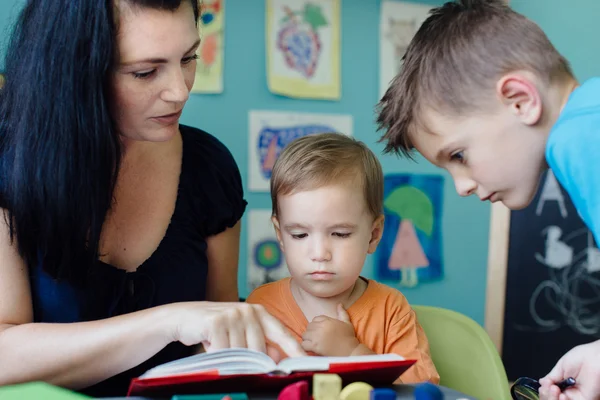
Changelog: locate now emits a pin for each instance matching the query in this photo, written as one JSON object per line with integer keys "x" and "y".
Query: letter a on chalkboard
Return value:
{"x": 551, "y": 192}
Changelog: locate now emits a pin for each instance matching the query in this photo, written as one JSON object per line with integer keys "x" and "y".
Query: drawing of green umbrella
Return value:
{"x": 415, "y": 210}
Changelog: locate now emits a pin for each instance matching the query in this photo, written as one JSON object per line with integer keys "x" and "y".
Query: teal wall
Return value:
{"x": 572, "y": 27}
{"x": 465, "y": 221}
{"x": 8, "y": 12}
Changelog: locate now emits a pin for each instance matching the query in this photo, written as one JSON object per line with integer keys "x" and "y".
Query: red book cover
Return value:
{"x": 191, "y": 377}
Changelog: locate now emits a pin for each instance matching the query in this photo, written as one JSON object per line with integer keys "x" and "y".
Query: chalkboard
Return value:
{"x": 552, "y": 298}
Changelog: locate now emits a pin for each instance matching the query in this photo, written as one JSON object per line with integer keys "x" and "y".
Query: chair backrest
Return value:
{"x": 463, "y": 354}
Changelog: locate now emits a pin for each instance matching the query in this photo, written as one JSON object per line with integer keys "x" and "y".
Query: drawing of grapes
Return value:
{"x": 299, "y": 39}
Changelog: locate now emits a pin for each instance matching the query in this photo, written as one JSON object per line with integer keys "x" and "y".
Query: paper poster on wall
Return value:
{"x": 265, "y": 258}
{"x": 398, "y": 24}
{"x": 209, "y": 68}
{"x": 270, "y": 131}
{"x": 410, "y": 250}
{"x": 303, "y": 48}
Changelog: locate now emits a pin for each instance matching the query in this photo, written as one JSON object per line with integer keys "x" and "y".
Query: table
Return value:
{"x": 40, "y": 390}
{"x": 404, "y": 392}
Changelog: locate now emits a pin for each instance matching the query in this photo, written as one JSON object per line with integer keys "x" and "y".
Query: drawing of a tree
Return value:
{"x": 415, "y": 210}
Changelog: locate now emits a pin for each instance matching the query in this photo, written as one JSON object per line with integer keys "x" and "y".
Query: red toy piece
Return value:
{"x": 295, "y": 391}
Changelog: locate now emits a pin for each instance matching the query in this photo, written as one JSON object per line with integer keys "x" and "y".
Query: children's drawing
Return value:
{"x": 299, "y": 41}
{"x": 209, "y": 68}
{"x": 303, "y": 51}
{"x": 400, "y": 32}
{"x": 398, "y": 24}
{"x": 410, "y": 250}
{"x": 265, "y": 258}
{"x": 270, "y": 131}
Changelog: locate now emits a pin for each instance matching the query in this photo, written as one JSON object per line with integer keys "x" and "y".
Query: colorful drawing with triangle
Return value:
{"x": 411, "y": 247}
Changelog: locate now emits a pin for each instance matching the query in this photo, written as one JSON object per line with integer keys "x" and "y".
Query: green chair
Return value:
{"x": 463, "y": 354}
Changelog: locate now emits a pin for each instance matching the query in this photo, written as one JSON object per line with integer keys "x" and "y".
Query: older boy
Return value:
{"x": 327, "y": 194}
{"x": 484, "y": 94}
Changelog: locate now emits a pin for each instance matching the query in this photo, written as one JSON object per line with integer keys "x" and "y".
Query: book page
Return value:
{"x": 227, "y": 361}
{"x": 317, "y": 363}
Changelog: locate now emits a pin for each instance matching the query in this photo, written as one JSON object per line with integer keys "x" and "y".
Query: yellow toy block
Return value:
{"x": 356, "y": 391}
{"x": 326, "y": 386}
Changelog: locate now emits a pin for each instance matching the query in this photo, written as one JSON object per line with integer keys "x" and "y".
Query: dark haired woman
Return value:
{"x": 119, "y": 222}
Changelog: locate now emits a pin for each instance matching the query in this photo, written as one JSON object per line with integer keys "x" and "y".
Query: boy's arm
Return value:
{"x": 407, "y": 338}
{"x": 572, "y": 154}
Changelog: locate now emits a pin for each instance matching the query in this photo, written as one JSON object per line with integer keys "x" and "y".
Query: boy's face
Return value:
{"x": 494, "y": 155}
{"x": 326, "y": 234}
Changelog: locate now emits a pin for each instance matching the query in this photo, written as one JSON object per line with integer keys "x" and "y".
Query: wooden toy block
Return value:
{"x": 326, "y": 386}
{"x": 356, "y": 391}
{"x": 295, "y": 391}
{"x": 383, "y": 394}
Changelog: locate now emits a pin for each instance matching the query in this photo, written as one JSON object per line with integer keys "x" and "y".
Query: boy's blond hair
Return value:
{"x": 455, "y": 59}
{"x": 314, "y": 161}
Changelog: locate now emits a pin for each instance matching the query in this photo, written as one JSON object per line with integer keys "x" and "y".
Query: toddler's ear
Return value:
{"x": 376, "y": 233}
{"x": 518, "y": 92}
{"x": 277, "y": 231}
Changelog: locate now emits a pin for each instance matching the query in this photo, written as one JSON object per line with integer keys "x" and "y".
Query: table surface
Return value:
{"x": 403, "y": 392}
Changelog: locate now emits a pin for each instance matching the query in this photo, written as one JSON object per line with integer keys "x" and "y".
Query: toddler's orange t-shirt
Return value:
{"x": 382, "y": 319}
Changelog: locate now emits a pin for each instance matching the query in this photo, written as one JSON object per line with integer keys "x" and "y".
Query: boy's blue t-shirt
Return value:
{"x": 573, "y": 152}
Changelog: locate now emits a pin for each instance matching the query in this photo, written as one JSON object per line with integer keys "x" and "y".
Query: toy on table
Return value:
{"x": 326, "y": 386}
{"x": 383, "y": 394}
{"x": 356, "y": 391}
{"x": 428, "y": 391}
{"x": 220, "y": 396}
{"x": 295, "y": 391}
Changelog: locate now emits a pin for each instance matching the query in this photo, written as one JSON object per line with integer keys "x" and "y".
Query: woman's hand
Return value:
{"x": 224, "y": 325}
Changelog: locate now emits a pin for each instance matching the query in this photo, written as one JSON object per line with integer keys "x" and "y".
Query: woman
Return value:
{"x": 119, "y": 222}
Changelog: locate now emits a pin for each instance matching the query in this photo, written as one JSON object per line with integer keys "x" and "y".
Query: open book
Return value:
{"x": 247, "y": 370}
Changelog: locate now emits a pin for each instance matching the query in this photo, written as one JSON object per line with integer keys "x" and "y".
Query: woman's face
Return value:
{"x": 154, "y": 71}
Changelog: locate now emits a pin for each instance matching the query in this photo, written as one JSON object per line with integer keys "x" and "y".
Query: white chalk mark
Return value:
{"x": 572, "y": 291}
{"x": 558, "y": 254}
{"x": 551, "y": 192}
{"x": 593, "y": 255}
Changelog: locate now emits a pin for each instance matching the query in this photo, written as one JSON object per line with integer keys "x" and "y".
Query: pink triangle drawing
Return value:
{"x": 271, "y": 155}
{"x": 407, "y": 251}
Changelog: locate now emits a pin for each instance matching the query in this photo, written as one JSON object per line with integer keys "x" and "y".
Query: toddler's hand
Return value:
{"x": 329, "y": 336}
